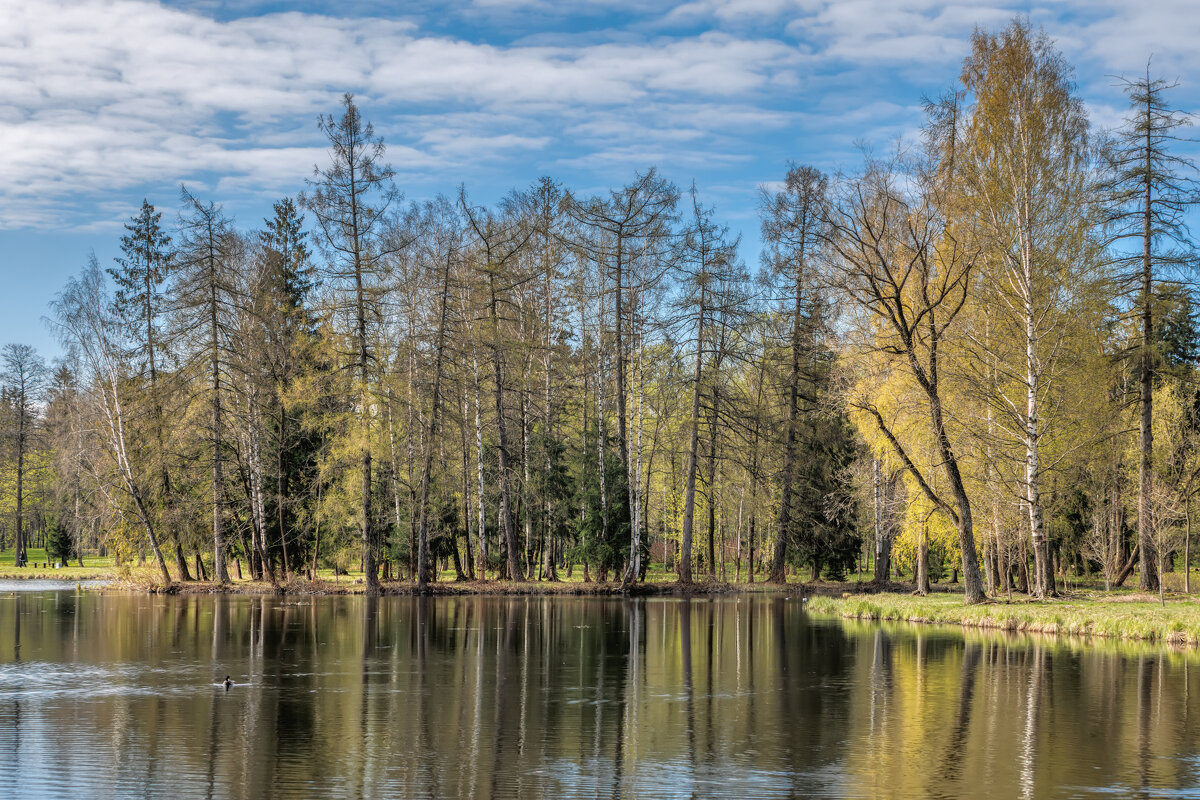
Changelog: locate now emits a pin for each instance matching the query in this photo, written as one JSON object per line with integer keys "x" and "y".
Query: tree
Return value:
{"x": 709, "y": 271}
{"x": 793, "y": 224}
{"x": 288, "y": 329}
{"x": 84, "y": 321}
{"x": 142, "y": 269}
{"x": 628, "y": 225}
{"x": 908, "y": 274}
{"x": 64, "y": 426}
{"x": 1150, "y": 190}
{"x": 350, "y": 198}
{"x": 59, "y": 542}
{"x": 207, "y": 252}
{"x": 501, "y": 240}
{"x": 1023, "y": 158}
{"x": 24, "y": 378}
{"x": 423, "y": 565}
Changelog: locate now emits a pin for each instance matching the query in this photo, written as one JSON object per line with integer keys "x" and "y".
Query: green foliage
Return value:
{"x": 59, "y": 545}
{"x": 603, "y": 529}
{"x": 824, "y": 519}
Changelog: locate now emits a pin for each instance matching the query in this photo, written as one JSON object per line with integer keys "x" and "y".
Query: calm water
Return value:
{"x": 116, "y": 696}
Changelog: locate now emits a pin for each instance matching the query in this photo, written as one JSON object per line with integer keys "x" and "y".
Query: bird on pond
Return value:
{"x": 227, "y": 683}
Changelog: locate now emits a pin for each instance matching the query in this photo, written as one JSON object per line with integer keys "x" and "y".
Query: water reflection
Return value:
{"x": 119, "y": 696}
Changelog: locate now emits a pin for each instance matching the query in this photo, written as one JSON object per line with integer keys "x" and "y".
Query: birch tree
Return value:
{"x": 84, "y": 322}
{"x": 1025, "y": 162}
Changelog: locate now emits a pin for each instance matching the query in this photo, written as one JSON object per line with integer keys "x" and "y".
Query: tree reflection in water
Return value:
{"x": 113, "y": 695}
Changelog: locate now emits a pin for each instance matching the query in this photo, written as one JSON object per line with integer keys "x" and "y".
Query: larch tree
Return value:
{"x": 499, "y": 243}
{"x": 208, "y": 250}
{"x": 793, "y": 225}
{"x": 1150, "y": 189}
{"x": 625, "y": 224}
{"x": 349, "y": 198}
{"x": 708, "y": 257}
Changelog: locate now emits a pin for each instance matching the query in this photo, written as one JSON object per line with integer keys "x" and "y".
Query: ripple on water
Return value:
{"x": 7, "y": 587}
{"x": 41, "y": 680}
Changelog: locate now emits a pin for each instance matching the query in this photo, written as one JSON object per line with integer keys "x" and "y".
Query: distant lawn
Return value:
{"x": 40, "y": 566}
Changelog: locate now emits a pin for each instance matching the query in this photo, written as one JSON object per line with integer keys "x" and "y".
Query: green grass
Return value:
{"x": 93, "y": 567}
{"x": 1124, "y": 616}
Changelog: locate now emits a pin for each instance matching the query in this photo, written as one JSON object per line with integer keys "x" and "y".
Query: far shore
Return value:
{"x": 1083, "y": 611}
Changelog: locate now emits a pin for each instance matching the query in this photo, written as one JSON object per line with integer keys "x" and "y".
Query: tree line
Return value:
{"x": 974, "y": 354}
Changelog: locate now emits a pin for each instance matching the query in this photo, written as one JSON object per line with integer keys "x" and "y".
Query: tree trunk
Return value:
{"x": 482, "y": 530}
{"x": 220, "y": 573}
{"x": 515, "y": 571}
{"x": 423, "y": 539}
{"x": 689, "y": 498}
{"x": 1187, "y": 547}
{"x": 1147, "y": 580}
{"x": 712, "y": 488}
{"x": 281, "y": 489}
{"x": 21, "y": 558}
{"x": 922, "y": 570}
{"x": 466, "y": 488}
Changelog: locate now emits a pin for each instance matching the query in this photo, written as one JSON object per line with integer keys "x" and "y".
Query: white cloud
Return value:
{"x": 107, "y": 94}
{"x": 104, "y": 96}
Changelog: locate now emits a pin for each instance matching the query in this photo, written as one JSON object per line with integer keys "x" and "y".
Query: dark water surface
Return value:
{"x": 116, "y": 696}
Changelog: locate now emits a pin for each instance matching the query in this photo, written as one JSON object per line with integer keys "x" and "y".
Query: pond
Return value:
{"x": 113, "y": 695}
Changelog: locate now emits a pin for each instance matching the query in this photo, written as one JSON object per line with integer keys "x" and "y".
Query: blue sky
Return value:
{"x": 109, "y": 101}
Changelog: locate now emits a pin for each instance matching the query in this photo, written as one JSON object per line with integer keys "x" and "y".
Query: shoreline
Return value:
{"x": 1127, "y": 617}
{"x": 300, "y": 587}
{"x": 1124, "y": 618}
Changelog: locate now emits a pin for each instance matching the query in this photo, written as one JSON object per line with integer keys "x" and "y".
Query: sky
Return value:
{"x": 106, "y": 102}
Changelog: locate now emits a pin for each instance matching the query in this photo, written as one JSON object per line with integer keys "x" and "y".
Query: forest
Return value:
{"x": 971, "y": 359}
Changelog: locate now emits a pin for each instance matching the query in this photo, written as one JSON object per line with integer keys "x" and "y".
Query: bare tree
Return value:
{"x": 707, "y": 268}
{"x": 628, "y": 223}
{"x": 908, "y": 274}
{"x": 500, "y": 241}
{"x": 208, "y": 249}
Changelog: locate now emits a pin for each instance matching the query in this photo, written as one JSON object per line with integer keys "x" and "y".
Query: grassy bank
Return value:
{"x": 1128, "y": 616}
